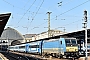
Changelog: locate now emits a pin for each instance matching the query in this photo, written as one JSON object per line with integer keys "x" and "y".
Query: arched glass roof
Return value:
{"x": 11, "y": 34}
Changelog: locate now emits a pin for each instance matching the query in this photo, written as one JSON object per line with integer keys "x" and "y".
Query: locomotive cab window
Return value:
{"x": 67, "y": 41}
{"x": 73, "y": 41}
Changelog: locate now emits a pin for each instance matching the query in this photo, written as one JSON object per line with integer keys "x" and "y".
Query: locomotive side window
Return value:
{"x": 60, "y": 42}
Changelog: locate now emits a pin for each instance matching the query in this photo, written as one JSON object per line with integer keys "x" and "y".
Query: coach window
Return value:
{"x": 16, "y": 47}
{"x": 22, "y": 47}
{"x": 34, "y": 46}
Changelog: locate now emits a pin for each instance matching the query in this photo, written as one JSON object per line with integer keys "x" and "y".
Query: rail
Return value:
{"x": 3, "y": 57}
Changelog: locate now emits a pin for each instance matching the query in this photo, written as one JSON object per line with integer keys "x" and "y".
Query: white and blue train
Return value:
{"x": 61, "y": 47}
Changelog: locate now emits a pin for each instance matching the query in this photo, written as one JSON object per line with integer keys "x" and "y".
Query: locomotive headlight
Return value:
{"x": 67, "y": 49}
{"x": 76, "y": 49}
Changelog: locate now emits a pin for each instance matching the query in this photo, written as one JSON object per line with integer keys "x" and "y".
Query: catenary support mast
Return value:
{"x": 49, "y": 33}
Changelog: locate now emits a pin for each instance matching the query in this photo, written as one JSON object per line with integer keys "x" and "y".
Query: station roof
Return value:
{"x": 3, "y": 21}
{"x": 78, "y": 34}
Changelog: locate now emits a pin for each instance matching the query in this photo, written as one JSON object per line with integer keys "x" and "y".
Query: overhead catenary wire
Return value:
{"x": 38, "y": 9}
{"x": 26, "y": 11}
{"x": 26, "y": 3}
{"x": 8, "y": 3}
{"x": 36, "y": 12}
{"x": 67, "y": 12}
{"x": 21, "y": 8}
{"x": 13, "y": 5}
{"x": 69, "y": 23}
{"x": 58, "y": 15}
{"x": 24, "y": 8}
{"x": 38, "y": 26}
{"x": 73, "y": 8}
{"x": 61, "y": 3}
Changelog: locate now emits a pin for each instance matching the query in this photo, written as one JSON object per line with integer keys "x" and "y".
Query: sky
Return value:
{"x": 30, "y": 16}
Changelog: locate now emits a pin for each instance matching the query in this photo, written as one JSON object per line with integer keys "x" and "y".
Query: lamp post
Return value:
{"x": 85, "y": 27}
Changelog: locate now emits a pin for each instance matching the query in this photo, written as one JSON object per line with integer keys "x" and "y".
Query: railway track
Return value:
{"x": 12, "y": 56}
{"x": 42, "y": 58}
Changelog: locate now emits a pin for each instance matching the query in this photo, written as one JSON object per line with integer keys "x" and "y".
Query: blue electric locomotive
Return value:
{"x": 63, "y": 47}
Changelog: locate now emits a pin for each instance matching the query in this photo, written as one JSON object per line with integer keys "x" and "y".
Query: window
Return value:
{"x": 34, "y": 46}
{"x": 3, "y": 41}
{"x": 21, "y": 46}
{"x": 88, "y": 40}
{"x": 67, "y": 41}
{"x": 73, "y": 41}
{"x": 88, "y": 46}
{"x": 61, "y": 42}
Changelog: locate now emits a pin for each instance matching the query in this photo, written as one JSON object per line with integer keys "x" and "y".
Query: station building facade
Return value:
{"x": 46, "y": 35}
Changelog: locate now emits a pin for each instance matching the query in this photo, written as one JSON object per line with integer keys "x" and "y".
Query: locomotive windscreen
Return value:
{"x": 73, "y": 41}
{"x": 70, "y": 42}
